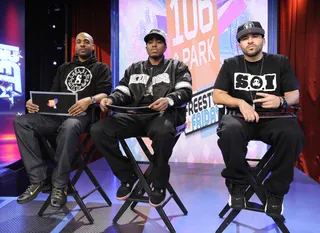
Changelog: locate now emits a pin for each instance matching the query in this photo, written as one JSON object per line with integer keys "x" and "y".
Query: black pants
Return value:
{"x": 282, "y": 133}
{"x": 159, "y": 127}
{"x": 30, "y": 127}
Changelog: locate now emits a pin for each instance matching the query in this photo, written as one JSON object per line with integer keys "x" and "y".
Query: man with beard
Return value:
{"x": 249, "y": 85}
{"x": 162, "y": 85}
{"x": 92, "y": 81}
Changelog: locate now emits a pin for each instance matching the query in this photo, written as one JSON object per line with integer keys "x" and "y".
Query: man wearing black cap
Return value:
{"x": 162, "y": 85}
{"x": 249, "y": 85}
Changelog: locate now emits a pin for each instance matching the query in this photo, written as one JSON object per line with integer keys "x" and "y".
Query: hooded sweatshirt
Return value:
{"x": 86, "y": 78}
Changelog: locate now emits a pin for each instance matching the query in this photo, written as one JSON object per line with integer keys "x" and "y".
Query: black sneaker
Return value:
{"x": 126, "y": 188}
{"x": 157, "y": 197}
{"x": 58, "y": 197}
{"x": 32, "y": 191}
{"x": 237, "y": 199}
{"x": 274, "y": 205}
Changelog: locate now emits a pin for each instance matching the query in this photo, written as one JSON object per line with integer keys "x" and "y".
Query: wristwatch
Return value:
{"x": 170, "y": 101}
{"x": 93, "y": 100}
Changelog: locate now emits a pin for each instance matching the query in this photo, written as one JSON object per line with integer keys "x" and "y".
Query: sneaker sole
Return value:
{"x": 128, "y": 195}
{"x": 155, "y": 205}
{"x": 57, "y": 207}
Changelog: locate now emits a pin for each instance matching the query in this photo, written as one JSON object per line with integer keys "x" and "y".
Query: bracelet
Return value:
{"x": 281, "y": 102}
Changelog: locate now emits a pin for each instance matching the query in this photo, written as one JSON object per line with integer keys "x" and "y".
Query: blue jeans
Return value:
{"x": 30, "y": 127}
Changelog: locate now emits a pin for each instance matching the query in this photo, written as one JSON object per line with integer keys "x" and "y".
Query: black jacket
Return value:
{"x": 171, "y": 78}
{"x": 87, "y": 78}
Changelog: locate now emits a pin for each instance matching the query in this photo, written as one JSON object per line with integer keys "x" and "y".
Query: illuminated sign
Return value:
{"x": 10, "y": 73}
{"x": 193, "y": 38}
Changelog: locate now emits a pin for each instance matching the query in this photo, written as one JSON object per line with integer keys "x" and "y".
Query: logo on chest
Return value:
{"x": 78, "y": 79}
{"x": 249, "y": 82}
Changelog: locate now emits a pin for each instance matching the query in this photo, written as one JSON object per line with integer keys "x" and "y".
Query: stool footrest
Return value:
{"x": 253, "y": 160}
{"x": 88, "y": 194}
{"x": 143, "y": 162}
{"x": 167, "y": 200}
{"x": 254, "y": 207}
{"x": 138, "y": 198}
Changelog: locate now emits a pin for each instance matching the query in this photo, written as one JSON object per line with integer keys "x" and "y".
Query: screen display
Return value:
{"x": 12, "y": 75}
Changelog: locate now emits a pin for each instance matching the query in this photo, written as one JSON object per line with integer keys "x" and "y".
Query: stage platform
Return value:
{"x": 199, "y": 186}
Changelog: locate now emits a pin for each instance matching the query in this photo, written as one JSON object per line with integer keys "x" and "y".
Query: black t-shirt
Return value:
{"x": 272, "y": 74}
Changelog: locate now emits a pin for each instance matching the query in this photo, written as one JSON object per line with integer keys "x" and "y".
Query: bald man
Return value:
{"x": 92, "y": 81}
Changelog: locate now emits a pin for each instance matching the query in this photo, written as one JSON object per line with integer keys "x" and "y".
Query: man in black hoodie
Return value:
{"x": 92, "y": 81}
{"x": 162, "y": 85}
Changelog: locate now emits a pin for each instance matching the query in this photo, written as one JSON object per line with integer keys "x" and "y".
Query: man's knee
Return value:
{"x": 293, "y": 133}
{"x": 229, "y": 126}
{"x": 22, "y": 120}
{"x": 166, "y": 130}
{"x": 96, "y": 130}
{"x": 71, "y": 124}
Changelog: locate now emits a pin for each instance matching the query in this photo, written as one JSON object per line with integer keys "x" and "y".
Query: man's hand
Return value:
{"x": 79, "y": 107}
{"x": 32, "y": 108}
{"x": 268, "y": 100}
{"x": 160, "y": 104}
{"x": 248, "y": 112}
{"x": 103, "y": 104}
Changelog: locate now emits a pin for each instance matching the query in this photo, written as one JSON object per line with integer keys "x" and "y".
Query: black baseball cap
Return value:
{"x": 155, "y": 32}
{"x": 250, "y": 27}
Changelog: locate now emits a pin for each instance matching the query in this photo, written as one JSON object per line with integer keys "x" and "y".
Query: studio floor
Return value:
{"x": 199, "y": 186}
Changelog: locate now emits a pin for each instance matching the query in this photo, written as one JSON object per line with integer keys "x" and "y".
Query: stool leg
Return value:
{"x": 123, "y": 208}
{"x": 281, "y": 225}
{"x": 96, "y": 184}
{"x": 165, "y": 219}
{"x": 81, "y": 204}
{"x": 140, "y": 192}
{"x": 177, "y": 199}
{"x": 227, "y": 220}
{"x": 224, "y": 211}
{"x": 44, "y": 206}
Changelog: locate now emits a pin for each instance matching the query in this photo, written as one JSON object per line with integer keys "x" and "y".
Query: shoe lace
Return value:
{"x": 30, "y": 188}
{"x": 57, "y": 193}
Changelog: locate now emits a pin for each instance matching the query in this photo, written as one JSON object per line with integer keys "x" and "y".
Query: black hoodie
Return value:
{"x": 86, "y": 78}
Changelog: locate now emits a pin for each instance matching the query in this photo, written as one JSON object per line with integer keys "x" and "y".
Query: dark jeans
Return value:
{"x": 282, "y": 133}
{"x": 158, "y": 127}
{"x": 30, "y": 127}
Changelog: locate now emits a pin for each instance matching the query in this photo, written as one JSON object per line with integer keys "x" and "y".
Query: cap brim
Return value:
{"x": 250, "y": 31}
{"x": 150, "y": 36}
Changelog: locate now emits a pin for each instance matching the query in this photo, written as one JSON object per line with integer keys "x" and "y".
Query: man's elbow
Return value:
{"x": 216, "y": 97}
{"x": 293, "y": 97}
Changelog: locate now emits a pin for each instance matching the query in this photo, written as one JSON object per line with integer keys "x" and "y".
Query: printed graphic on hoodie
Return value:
{"x": 78, "y": 79}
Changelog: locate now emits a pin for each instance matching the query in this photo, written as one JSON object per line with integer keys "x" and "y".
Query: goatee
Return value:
{"x": 252, "y": 54}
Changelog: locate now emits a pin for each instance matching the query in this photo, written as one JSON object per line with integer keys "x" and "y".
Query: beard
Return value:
{"x": 85, "y": 56}
{"x": 252, "y": 54}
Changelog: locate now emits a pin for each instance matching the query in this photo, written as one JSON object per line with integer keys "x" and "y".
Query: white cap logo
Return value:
{"x": 248, "y": 25}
